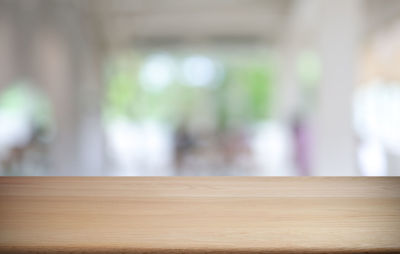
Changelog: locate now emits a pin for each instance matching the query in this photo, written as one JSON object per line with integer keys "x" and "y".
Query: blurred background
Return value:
{"x": 200, "y": 87}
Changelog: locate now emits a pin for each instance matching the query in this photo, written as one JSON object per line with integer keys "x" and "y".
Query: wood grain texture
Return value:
{"x": 199, "y": 215}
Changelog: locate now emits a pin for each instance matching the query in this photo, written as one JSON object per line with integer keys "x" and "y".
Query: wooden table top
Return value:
{"x": 199, "y": 215}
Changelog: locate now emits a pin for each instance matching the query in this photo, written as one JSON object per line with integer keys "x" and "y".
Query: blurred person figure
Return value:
{"x": 184, "y": 143}
{"x": 301, "y": 145}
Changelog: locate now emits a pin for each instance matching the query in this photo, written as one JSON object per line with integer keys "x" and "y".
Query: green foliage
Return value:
{"x": 243, "y": 95}
{"x": 253, "y": 82}
{"x": 15, "y": 98}
{"x": 121, "y": 91}
{"x": 21, "y": 98}
{"x": 257, "y": 81}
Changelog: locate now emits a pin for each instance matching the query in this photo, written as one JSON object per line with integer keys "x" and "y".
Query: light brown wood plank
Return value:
{"x": 199, "y": 215}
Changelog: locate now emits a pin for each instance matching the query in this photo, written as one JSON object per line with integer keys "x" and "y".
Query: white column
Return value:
{"x": 334, "y": 145}
{"x": 55, "y": 74}
{"x": 90, "y": 95}
{"x": 69, "y": 68}
{"x": 8, "y": 68}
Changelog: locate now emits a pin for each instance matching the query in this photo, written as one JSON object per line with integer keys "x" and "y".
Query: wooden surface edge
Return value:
{"x": 99, "y": 250}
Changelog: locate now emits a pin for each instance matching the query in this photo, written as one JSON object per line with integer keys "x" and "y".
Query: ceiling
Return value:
{"x": 166, "y": 23}
{"x": 172, "y": 22}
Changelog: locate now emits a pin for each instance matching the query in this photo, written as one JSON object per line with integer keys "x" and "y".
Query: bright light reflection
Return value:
{"x": 199, "y": 70}
{"x": 157, "y": 72}
{"x": 371, "y": 156}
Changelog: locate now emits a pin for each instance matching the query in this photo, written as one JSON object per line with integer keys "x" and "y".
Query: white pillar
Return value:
{"x": 334, "y": 147}
{"x": 8, "y": 48}
{"x": 55, "y": 74}
{"x": 69, "y": 67}
{"x": 90, "y": 95}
